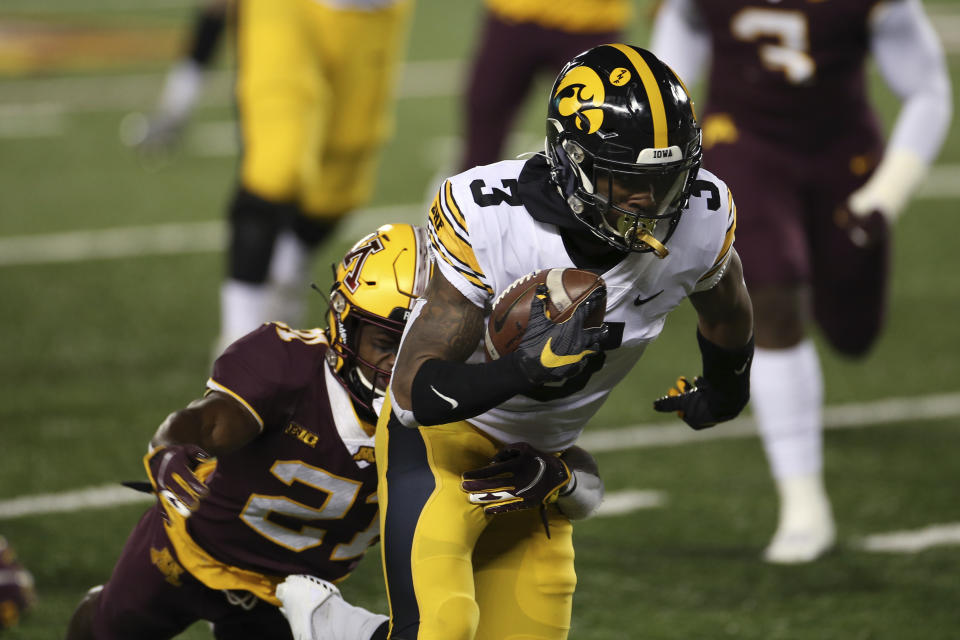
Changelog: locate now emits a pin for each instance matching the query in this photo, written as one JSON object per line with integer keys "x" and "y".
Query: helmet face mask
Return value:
{"x": 624, "y": 146}
{"x": 374, "y": 288}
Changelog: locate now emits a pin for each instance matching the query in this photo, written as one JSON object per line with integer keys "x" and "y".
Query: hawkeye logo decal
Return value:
{"x": 585, "y": 99}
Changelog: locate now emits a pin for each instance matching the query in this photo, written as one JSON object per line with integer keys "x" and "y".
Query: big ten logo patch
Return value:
{"x": 303, "y": 435}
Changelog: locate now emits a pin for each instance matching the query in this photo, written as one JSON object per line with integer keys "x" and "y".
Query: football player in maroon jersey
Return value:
{"x": 789, "y": 121}
{"x": 519, "y": 41}
{"x": 271, "y": 472}
{"x": 267, "y": 484}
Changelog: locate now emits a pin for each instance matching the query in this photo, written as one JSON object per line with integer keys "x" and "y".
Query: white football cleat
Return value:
{"x": 301, "y": 595}
{"x": 806, "y": 530}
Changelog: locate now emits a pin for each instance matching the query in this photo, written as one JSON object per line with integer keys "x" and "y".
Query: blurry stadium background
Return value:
{"x": 109, "y": 276}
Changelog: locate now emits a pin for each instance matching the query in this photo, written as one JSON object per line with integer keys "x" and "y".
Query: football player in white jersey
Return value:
{"x": 619, "y": 191}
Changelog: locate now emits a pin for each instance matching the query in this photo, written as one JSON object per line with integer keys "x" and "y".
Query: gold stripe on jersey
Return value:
{"x": 724, "y": 253}
{"x": 453, "y": 207}
{"x": 657, "y": 109}
{"x": 448, "y": 235}
{"x": 213, "y": 385}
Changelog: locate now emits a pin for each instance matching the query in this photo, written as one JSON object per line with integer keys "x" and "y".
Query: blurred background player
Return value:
{"x": 315, "y": 82}
{"x": 17, "y": 593}
{"x": 182, "y": 86}
{"x": 271, "y": 472}
{"x": 789, "y": 122}
{"x": 520, "y": 40}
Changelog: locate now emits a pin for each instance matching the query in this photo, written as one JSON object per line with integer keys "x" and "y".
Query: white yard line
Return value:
{"x": 139, "y": 91}
{"x": 845, "y": 416}
{"x": 164, "y": 239}
{"x": 620, "y": 502}
{"x": 209, "y": 235}
{"x": 914, "y": 540}
{"x": 848, "y": 416}
{"x": 108, "y": 495}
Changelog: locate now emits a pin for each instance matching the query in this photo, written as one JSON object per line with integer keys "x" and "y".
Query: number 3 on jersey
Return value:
{"x": 791, "y": 57}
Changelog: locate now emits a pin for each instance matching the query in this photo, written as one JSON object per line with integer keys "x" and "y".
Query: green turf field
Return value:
{"x": 105, "y": 333}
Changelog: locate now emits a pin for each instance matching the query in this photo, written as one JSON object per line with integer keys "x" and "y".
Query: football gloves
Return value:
{"x": 518, "y": 477}
{"x": 554, "y": 352}
{"x": 865, "y": 231}
{"x": 697, "y": 403}
{"x": 171, "y": 470}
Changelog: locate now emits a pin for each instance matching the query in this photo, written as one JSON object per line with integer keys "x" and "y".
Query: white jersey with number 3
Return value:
{"x": 484, "y": 238}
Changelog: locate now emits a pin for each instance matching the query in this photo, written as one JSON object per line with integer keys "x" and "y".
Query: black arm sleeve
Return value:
{"x": 727, "y": 371}
{"x": 445, "y": 391}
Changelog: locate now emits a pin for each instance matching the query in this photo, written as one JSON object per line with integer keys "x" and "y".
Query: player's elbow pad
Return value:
{"x": 445, "y": 391}
{"x": 728, "y": 373}
{"x": 583, "y": 495}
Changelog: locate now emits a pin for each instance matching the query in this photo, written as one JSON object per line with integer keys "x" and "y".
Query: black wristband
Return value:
{"x": 445, "y": 391}
{"x": 727, "y": 370}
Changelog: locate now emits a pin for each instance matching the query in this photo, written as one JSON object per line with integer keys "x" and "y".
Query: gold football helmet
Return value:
{"x": 376, "y": 283}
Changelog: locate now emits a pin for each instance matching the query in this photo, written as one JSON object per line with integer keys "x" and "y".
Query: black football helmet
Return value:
{"x": 376, "y": 283}
{"x": 623, "y": 145}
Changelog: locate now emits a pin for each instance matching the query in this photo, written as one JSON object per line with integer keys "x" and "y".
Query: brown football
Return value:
{"x": 566, "y": 289}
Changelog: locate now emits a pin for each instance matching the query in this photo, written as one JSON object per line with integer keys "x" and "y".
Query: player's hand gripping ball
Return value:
{"x": 566, "y": 291}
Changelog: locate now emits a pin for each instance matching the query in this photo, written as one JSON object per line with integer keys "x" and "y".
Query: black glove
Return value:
{"x": 171, "y": 470}
{"x": 552, "y": 353}
{"x": 699, "y": 404}
{"x": 865, "y": 232}
{"x": 518, "y": 477}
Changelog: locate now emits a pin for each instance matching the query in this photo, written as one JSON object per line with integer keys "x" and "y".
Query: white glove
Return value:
{"x": 898, "y": 175}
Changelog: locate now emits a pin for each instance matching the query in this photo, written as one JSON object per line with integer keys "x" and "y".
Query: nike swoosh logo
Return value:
{"x": 551, "y": 360}
{"x": 639, "y": 301}
{"x": 453, "y": 403}
{"x": 741, "y": 370}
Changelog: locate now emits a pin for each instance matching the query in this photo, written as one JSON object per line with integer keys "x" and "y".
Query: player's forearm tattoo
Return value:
{"x": 455, "y": 328}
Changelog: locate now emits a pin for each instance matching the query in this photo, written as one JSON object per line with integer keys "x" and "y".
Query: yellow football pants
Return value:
{"x": 315, "y": 93}
{"x": 454, "y": 573}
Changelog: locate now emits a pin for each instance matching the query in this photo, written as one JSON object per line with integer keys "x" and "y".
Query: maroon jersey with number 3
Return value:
{"x": 775, "y": 65}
